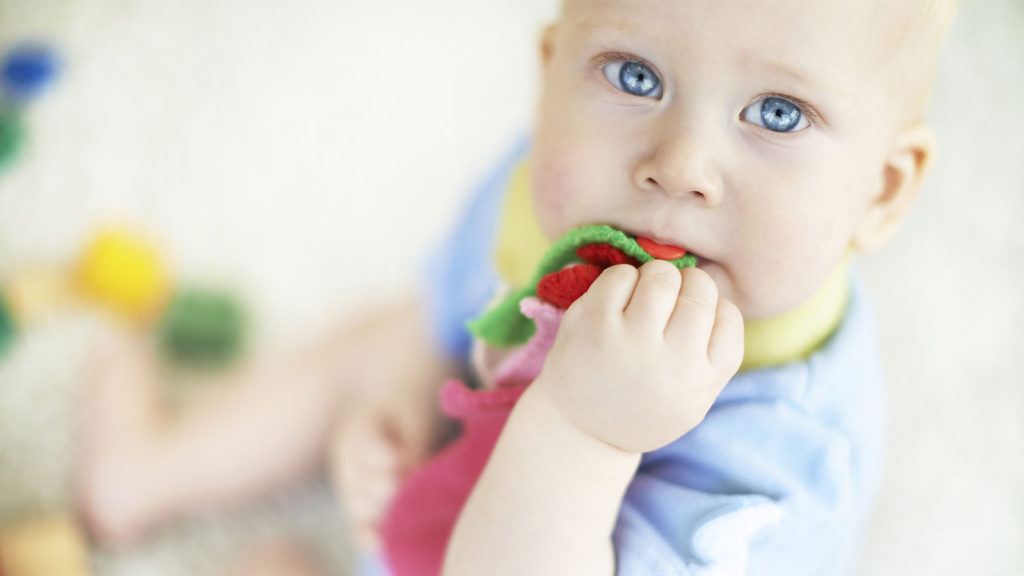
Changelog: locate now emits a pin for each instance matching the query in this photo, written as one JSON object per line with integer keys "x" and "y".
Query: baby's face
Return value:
{"x": 754, "y": 135}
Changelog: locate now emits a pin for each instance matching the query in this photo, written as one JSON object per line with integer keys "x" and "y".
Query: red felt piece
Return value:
{"x": 604, "y": 255}
{"x": 562, "y": 288}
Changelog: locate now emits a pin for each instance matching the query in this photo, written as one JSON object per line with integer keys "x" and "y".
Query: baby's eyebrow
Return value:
{"x": 593, "y": 24}
{"x": 808, "y": 78}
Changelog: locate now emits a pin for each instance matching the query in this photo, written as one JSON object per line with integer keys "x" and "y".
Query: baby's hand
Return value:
{"x": 373, "y": 449}
{"x": 640, "y": 358}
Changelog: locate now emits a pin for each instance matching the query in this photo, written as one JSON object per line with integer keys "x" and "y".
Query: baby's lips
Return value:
{"x": 660, "y": 251}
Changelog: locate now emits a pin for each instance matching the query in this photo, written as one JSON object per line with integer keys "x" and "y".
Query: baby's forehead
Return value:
{"x": 810, "y": 39}
{"x": 878, "y": 23}
{"x": 853, "y": 23}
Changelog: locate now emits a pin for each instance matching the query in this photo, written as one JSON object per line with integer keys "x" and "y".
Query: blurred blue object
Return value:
{"x": 28, "y": 70}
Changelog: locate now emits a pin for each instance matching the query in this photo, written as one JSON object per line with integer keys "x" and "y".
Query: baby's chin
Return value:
{"x": 721, "y": 278}
{"x": 753, "y": 304}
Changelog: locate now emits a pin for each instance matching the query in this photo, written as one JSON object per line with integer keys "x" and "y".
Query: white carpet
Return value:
{"x": 267, "y": 146}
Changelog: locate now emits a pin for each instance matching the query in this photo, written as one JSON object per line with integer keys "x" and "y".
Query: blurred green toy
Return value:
{"x": 202, "y": 326}
{"x": 11, "y": 137}
{"x": 6, "y": 324}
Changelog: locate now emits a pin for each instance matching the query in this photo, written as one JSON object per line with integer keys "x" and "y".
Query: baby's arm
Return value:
{"x": 637, "y": 363}
{"x": 254, "y": 432}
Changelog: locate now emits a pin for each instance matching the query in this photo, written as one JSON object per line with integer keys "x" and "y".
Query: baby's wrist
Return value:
{"x": 545, "y": 403}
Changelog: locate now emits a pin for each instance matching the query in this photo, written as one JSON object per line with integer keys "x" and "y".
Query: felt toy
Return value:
{"x": 46, "y": 546}
{"x": 202, "y": 326}
{"x": 123, "y": 271}
{"x": 598, "y": 247}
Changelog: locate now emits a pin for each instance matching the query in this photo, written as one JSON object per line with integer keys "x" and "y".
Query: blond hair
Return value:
{"x": 915, "y": 68}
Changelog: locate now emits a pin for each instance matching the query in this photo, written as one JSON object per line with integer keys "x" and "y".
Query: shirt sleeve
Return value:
{"x": 758, "y": 488}
{"x": 460, "y": 277}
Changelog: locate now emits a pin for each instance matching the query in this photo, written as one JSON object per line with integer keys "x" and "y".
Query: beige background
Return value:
{"x": 306, "y": 152}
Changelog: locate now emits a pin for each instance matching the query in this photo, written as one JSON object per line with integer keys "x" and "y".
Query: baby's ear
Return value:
{"x": 547, "y": 44}
{"x": 905, "y": 166}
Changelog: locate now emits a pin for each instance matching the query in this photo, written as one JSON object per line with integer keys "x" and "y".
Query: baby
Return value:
{"x": 771, "y": 141}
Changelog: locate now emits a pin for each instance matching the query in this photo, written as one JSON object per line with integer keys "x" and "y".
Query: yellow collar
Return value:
{"x": 790, "y": 336}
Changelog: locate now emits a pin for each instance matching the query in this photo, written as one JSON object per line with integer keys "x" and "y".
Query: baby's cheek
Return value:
{"x": 780, "y": 266}
{"x": 555, "y": 194}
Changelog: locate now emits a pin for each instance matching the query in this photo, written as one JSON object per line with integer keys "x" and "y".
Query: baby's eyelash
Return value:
{"x": 812, "y": 115}
{"x": 609, "y": 57}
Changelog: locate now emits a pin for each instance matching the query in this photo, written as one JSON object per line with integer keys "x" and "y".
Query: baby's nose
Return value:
{"x": 681, "y": 167}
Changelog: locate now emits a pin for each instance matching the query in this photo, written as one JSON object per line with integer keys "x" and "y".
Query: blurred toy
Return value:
{"x": 6, "y": 324}
{"x": 46, "y": 546}
{"x": 123, "y": 271}
{"x": 11, "y": 137}
{"x": 202, "y": 326}
{"x": 34, "y": 296}
{"x": 119, "y": 269}
{"x": 27, "y": 71}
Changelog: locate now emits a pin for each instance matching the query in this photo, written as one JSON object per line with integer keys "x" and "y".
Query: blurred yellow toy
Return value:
{"x": 123, "y": 271}
{"x": 45, "y": 546}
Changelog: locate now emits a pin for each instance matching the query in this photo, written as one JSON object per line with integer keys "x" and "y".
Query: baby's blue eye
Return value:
{"x": 776, "y": 114}
{"x": 633, "y": 78}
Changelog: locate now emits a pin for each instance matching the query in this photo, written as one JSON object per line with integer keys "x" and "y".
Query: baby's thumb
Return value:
{"x": 379, "y": 450}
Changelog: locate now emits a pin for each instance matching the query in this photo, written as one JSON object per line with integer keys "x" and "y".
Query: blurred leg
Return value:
{"x": 276, "y": 557}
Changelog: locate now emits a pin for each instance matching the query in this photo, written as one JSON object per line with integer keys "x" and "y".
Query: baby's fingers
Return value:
{"x": 694, "y": 315}
{"x": 366, "y": 464}
{"x": 365, "y": 506}
{"x": 654, "y": 297}
{"x": 610, "y": 292}
{"x": 725, "y": 349}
